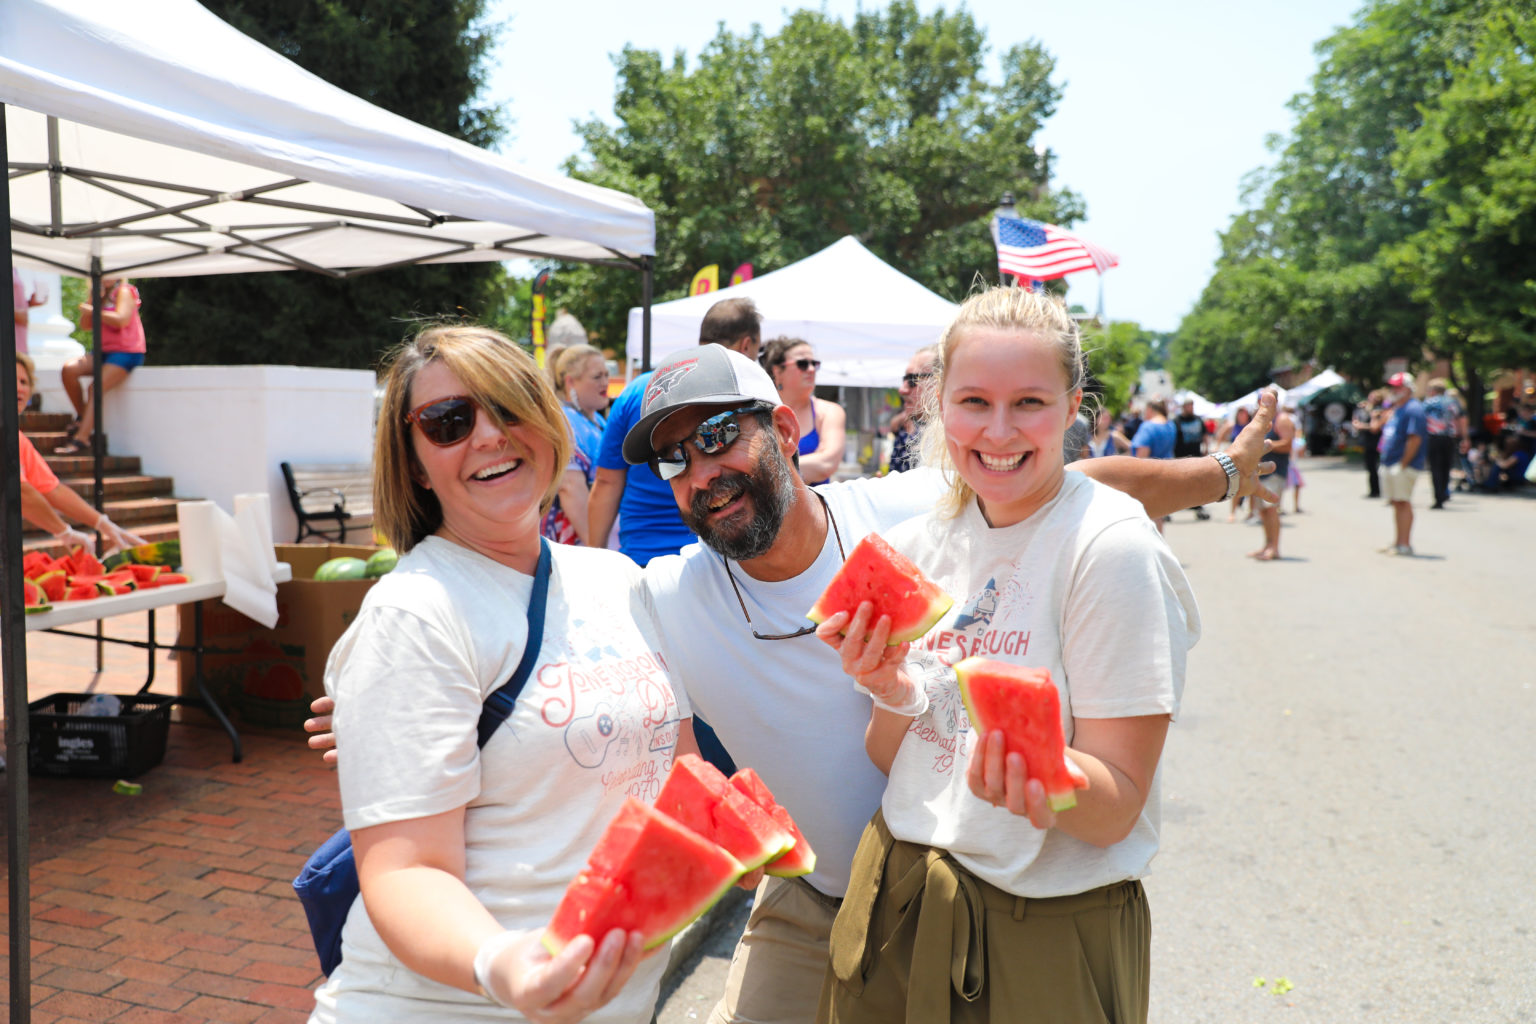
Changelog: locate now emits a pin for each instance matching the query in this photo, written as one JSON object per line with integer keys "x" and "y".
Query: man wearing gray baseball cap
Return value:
{"x": 735, "y": 637}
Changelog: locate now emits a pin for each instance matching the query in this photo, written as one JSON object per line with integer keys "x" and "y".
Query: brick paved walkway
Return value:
{"x": 172, "y": 907}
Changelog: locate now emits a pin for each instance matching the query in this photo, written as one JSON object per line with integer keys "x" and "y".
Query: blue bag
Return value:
{"x": 327, "y": 885}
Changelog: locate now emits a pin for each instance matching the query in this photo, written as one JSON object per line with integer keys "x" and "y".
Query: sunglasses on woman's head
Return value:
{"x": 447, "y": 421}
{"x": 804, "y": 364}
{"x": 711, "y": 437}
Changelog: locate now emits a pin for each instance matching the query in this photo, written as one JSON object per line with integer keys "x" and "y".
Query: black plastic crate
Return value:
{"x": 65, "y": 743}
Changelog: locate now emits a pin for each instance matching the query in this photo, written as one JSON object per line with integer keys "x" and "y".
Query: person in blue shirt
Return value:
{"x": 1403, "y": 446}
{"x": 1155, "y": 438}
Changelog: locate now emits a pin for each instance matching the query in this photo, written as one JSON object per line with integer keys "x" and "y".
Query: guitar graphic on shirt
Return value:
{"x": 589, "y": 737}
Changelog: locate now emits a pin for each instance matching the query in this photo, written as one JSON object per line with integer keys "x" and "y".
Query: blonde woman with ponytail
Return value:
{"x": 1052, "y": 570}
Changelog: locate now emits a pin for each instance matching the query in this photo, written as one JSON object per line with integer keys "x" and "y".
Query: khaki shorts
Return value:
{"x": 1397, "y": 482}
{"x": 1274, "y": 484}
{"x": 781, "y": 960}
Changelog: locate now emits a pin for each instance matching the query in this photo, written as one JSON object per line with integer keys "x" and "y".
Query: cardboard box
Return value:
{"x": 267, "y": 677}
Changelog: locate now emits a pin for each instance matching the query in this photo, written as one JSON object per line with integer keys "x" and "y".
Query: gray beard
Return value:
{"x": 770, "y": 486}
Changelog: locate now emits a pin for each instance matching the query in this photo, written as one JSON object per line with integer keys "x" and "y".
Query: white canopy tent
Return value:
{"x": 1312, "y": 385}
{"x": 158, "y": 141}
{"x": 864, "y": 317}
{"x": 166, "y": 143}
{"x": 1250, "y": 401}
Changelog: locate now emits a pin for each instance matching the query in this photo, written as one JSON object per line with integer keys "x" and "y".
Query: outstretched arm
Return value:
{"x": 1167, "y": 486}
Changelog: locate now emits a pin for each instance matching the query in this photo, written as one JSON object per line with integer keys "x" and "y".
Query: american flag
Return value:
{"x": 1030, "y": 249}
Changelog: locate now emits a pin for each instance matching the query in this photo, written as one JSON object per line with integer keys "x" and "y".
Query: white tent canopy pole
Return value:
{"x": 162, "y": 142}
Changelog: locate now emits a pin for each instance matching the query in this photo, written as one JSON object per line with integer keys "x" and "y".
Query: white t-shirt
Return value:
{"x": 1086, "y": 588}
{"x": 597, "y": 721}
{"x": 785, "y": 707}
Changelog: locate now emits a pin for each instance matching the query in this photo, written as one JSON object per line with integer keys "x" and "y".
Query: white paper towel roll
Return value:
{"x": 256, "y": 509}
{"x": 198, "y": 524}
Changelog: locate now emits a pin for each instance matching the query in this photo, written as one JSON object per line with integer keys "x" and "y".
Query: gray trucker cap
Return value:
{"x": 707, "y": 375}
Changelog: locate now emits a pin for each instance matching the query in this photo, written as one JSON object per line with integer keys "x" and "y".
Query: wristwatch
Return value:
{"x": 1230, "y": 468}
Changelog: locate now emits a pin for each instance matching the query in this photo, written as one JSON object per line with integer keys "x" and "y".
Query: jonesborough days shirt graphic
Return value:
{"x": 615, "y": 711}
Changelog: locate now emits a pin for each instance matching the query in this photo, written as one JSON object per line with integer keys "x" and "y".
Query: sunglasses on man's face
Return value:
{"x": 711, "y": 437}
{"x": 804, "y": 364}
{"x": 912, "y": 380}
{"x": 447, "y": 421}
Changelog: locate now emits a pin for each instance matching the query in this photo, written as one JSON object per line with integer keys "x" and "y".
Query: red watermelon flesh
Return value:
{"x": 53, "y": 583}
{"x": 1024, "y": 704}
{"x": 647, "y": 873}
{"x": 80, "y": 592}
{"x": 83, "y": 563}
{"x": 801, "y": 859}
{"x": 697, "y": 794}
{"x": 878, "y": 573}
{"x": 33, "y": 598}
{"x": 34, "y": 563}
{"x": 144, "y": 575}
{"x": 165, "y": 579}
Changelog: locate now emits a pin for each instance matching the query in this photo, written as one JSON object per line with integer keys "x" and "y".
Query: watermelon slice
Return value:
{"x": 648, "y": 874}
{"x": 1024, "y": 704}
{"x": 697, "y": 794}
{"x": 53, "y": 583}
{"x": 879, "y": 573}
{"x": 83, "y": 563}
{"x": 35, "y": 600}
{"x": 145, "y": 575}
{"x": 34, "y": 563}
{"x": 801, "y": 859}
{"x": 165, "y": 579}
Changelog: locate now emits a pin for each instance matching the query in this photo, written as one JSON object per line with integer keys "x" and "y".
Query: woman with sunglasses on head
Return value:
{"x": 1049, "y": 569}
{"x": 463, "y": 850}
{"x": 792, "y": 364}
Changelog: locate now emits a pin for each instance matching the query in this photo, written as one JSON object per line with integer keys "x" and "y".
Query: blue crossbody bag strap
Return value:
{"x": 327, "y": 886}
{"x": 499, "y": 705}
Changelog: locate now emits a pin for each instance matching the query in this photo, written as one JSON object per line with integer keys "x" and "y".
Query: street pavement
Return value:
{"x": 1349, "y": 793}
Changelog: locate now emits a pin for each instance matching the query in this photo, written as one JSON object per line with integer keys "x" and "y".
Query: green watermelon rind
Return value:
{"x": 875, "y": 546}
{"x": 1058, "y": 801}
{"x": 344, "y": 567}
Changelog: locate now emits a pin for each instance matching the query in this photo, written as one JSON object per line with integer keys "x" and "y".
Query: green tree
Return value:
{"x": 1397, "y": 219}
{"x": 771, "y": 147}
{"x": 1473, "y": 262}
{"x": 424, "y": 61}
{"x": 1116, "y": 353}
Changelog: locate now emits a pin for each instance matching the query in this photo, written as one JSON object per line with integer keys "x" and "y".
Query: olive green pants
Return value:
{"x": 920, "y": 939}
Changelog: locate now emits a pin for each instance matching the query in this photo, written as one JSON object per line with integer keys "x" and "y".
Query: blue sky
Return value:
{"x": 1166, "y": 106}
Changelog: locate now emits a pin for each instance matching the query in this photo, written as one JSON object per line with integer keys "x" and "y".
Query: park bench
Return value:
{"x": 337, "y": 493}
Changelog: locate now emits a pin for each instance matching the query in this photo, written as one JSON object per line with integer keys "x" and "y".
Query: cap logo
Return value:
{"x": 665, "y": 380}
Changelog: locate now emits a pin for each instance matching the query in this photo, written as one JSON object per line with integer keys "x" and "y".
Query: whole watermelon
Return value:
{"x": 344, "y": 568}
{"x": 381, "y": 562}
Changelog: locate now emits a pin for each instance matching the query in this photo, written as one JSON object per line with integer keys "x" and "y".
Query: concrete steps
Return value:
{"x": 138, "y": 502}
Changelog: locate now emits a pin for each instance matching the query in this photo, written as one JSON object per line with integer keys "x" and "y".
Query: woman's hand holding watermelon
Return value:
{"x": 872, "y": 662}
{"x": 559, "y": 989}
{"x": 1002, "y": 780}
